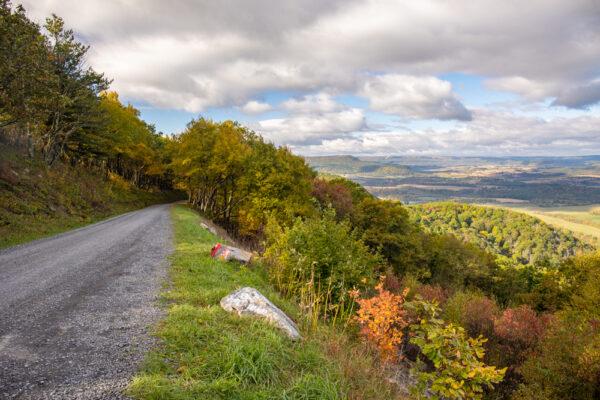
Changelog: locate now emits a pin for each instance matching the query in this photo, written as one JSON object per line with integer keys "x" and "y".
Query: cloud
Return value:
{"x": 256, "y": 107}
{"x": 489, "y": 134}
{"x": 581, "y": 97}
{"x": 527, "y": 88}
{"x": 414, "y": 97}
{"x": 312, "y": 119}
{"x": 313, "y": 103}
{"x": 194, "y": 54}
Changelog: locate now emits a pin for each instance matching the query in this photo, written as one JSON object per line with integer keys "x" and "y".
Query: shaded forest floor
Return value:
{"x": 38, "y": 201}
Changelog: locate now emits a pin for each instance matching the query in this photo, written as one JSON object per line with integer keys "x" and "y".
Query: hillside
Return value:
{"x": 37, "y": 201}
{"x": 583, "y": 221}
{"x": 342, "y": 165}
{"x": 511, "y": 235}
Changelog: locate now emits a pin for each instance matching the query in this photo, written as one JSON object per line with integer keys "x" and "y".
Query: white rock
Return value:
{"x": 249, "y": 301}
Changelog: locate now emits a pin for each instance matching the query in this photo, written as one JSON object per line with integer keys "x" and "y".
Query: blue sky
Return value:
{"x": 357, "y": 76}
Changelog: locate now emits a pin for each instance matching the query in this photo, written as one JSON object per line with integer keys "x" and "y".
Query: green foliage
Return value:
{"x": 37, "y": 201}
{"x": 234, "y": 177}
{"x": 207, "y": 353}
{"x": 473, "y": 311}
{"x": 457, "y": 370}
{"x": 385, "y": 228}
{"x": 567, "y": 364}
{"x": 514, "y": 237}
{"x": 320, "y": 260}
{"x": 583, "y": 276}
{"x": 455, "y": 264}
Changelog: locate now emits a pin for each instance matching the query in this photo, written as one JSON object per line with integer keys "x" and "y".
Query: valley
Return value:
{"x": 515, "y": 181}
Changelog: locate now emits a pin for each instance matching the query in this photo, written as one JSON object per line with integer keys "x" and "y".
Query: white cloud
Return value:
{"x": 256, "y": 107}
{"x": 490, "y": 133}
{"x": 236, "y": 50}
{"x": 196, "y": 54}
{"x": 414, "y": 97}
{"x": 527, "y": 88}
{"x": 313, "y": 103}
{"x": 312, "y": 119}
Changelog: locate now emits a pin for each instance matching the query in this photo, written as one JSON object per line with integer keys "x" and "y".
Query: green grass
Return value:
{"x": 37, "y": 201}
{"x": 207, "y": 353}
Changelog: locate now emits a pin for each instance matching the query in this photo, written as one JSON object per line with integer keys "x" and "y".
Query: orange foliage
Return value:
{"x": 382, "y": 319}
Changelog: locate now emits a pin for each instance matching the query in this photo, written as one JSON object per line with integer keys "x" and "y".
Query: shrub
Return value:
{"x": 382, "y": 320}
{"x": 473, "y": 311}
{"x": 333, "y": 194}
{"x": 518, "y": 331}
{"x": 457, "y": 369}
{"x": 386, "y": 228}
{"x": 432, "y": 293}
{"x": 520, "y": 325}
{"x": 567, "y": 363}
{"x": 319, "y": 261}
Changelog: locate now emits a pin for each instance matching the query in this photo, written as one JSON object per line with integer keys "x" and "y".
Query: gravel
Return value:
{"x": 77, "y": 309}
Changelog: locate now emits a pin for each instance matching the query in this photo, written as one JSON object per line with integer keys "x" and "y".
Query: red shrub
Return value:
{"x": 432, "y": 293}
{"x": 479, "y": 316}
{"x": 520, "y": 325}
{"x": 335, "y": 195}
{"x": 519, "y": 330}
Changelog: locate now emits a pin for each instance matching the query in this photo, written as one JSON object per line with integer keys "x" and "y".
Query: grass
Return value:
{"x": 207, "y": 353}
{"x": 37, "y": 201}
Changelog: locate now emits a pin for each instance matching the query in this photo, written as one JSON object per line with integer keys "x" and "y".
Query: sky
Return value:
{"x": 362, "y": 77}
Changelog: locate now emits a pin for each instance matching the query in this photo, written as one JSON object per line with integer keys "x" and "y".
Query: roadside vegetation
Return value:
{"x": 207, "y": 353}
{"x": 36, "y": 201}
{"x": 447, "y": 317}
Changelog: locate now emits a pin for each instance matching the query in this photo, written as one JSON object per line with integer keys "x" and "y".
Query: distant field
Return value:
{"x": 582, "y": 220}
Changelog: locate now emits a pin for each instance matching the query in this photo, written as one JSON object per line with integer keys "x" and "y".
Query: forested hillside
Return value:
{"x": 513, "y": 236}
{"x": 71, "y": 153}
{"x": 428, "y": 294}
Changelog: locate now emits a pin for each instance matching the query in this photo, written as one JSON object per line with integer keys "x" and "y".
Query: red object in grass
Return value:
{"x": 215, "y": 250}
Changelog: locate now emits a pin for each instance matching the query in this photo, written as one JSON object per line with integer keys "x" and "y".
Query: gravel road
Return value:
{"x": 76, "y": 309}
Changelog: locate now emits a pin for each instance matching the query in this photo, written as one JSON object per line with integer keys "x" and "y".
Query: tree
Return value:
{"x": 73, "y": 104}
{"x": 386, "y": 228}
{"x": 25, "y": 72}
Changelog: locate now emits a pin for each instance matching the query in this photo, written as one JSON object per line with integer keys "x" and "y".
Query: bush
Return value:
{"x": 382, "y": 320}
{"x": 432, "y": 293}
{"x": 319, "y": 261}
{"x": 567, "y": 364}
{"x": 473, "y": 311}
{"x": 520, "y": 327}
{"x": 457, "y": 369}
{"x": 334, "y": 195}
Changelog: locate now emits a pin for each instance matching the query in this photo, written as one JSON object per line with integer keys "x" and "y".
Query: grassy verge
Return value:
{"x": 37, "y": 201}
{"x": 206, "y": 353}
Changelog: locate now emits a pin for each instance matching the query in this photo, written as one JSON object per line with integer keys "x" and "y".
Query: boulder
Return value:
{"x": 249, "y": 301}
{"x": 227, "y": 253}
